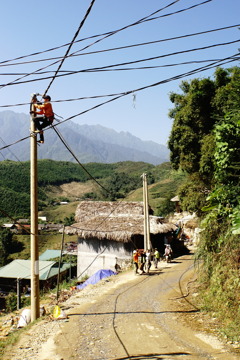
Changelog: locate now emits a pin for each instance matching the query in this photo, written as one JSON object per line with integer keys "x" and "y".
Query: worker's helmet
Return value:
{"x": 47, "y": 97}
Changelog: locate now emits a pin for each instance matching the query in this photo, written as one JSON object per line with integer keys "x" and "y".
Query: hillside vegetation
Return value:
{"x": 204, "y": 142}
{"x": 69, "y": 183}
{"x": 65, "y": 181}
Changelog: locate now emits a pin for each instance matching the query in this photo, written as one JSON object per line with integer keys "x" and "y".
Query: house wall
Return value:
{"x": 94, "y": 255}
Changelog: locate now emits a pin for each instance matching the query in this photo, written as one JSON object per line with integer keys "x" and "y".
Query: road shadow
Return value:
{"x": 135, "y": 312}
{"x": 152, "y": 356}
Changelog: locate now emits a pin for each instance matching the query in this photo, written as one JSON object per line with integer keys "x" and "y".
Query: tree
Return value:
{"x": 5, "y": 245}
{"x": 193, "y": 119}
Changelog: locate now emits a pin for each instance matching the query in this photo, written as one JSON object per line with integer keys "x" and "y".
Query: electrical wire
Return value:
{"x": 120, "y": 95}
{"x": 63, "y": 58}
{"x": 124, "y": 63}
{"x": 113, "y": 33}
{"x": 87, "y": 38}
{"x": 147, "y": 18}
{"x": 127, "y": 46}
{"x": 113, "y": 69}
{"x": 75, "y": 157}
{"x": 11, "y": 152}
{"x": 114, "y": 94}
{"x": 71, "y": 44}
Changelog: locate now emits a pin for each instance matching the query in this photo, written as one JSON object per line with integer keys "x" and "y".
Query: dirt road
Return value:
{"x": 139, "y": 320}
{"x": 134, "y": 317}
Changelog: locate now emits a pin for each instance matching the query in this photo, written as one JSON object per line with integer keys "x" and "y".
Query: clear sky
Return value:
{"x": 28, "y": 27}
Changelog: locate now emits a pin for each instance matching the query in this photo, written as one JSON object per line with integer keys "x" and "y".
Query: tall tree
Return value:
{"x": 195, "y": 113}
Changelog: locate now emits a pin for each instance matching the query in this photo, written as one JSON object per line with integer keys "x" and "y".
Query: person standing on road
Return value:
{"x": 168, "y": 253}
{"x": 156, "y": 258}
{"x": 142, "y": 261}
{"x": 135, "y": 260}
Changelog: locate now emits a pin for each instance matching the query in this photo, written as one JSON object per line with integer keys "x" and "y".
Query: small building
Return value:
{"x": 108, "y": 232}
{"x": 50, "y": 254}
{"x": 21, "y": 269}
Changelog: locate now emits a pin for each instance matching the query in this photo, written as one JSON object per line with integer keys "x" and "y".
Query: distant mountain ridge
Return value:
{"x": 90, "y": 143}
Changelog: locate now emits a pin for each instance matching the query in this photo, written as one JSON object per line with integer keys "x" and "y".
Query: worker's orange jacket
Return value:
{"x": 45, "y": 109}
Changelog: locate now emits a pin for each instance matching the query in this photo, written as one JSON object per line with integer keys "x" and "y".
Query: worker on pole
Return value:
{"x": 46, "y": 115}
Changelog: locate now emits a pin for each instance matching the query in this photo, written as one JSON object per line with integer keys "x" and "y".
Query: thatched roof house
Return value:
{"x": 117, "y": 221}
{"x": 109, "y": 231}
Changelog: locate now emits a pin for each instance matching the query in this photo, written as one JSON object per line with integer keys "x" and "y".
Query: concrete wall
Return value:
{"x": 94, "y": 255}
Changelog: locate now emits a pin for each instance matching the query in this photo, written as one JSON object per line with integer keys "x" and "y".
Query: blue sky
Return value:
{"x": 28, "y": 27}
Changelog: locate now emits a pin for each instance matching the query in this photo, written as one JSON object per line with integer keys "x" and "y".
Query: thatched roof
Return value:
{"x": 90, "y": 209}
{"x": 118, "y": 221}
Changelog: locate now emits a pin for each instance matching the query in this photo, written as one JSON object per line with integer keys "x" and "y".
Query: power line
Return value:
{"x": 129, "y": 46}
{"x": 125, "y": 63}
{"x": 62, "y": 60}
{"x": 75, "y": 157}
{"x": 235, "y": 58}
{"x": 87, "y": 38}
{"x": 146, "y": 19}
{"x": 119, "y": 95}
{"x": 71, "y": 44}
{"x": 121, "y": 69}
{"x": 113, "y": 33}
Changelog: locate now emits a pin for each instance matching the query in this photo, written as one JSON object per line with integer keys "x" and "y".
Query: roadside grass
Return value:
{"x": 220, "y": 293}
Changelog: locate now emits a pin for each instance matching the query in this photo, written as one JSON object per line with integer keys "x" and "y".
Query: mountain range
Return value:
{"x": 90, "y": 143}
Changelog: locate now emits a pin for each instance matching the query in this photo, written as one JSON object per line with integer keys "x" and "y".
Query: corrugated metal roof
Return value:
{"x": 50, "y": 254}
{"x": 22, "y": 269}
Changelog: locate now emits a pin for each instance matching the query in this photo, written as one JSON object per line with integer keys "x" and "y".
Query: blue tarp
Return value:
{"x": 95, "y": 278}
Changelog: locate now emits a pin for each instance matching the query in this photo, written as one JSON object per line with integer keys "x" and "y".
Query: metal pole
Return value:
{"x": 35, "y": 310}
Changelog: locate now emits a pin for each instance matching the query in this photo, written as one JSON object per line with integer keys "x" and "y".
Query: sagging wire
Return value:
{"x": 124, "y": 47}
{"x": 113, "y": 33}
{"x": 119, "y": 64}
{"x": 98, "y": 35}
{"x": 71, "y": 44}
{"x": 120, "y": 95}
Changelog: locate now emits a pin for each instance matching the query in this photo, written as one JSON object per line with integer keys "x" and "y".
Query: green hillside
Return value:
{"x": 65, "y": 181}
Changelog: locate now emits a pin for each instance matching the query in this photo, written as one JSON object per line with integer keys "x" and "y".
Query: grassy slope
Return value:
{"x": 165, "y": 186}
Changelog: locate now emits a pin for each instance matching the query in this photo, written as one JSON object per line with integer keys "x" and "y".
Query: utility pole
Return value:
{"x": 147, "y": 243}
{"x": 35, "y": 309}
{"x": 59, "y": 263}
{"x": 18, "y": 294}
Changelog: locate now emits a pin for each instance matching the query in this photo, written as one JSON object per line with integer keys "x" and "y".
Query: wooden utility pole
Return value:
{"x": 18, "y": 293}
{"x": 147, "y": 243}
{"x": 35, "y": 309}
{"x": 59, "y": 263}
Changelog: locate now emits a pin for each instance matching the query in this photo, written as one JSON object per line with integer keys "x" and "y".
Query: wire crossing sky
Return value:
{"x": 114, "y": 62}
